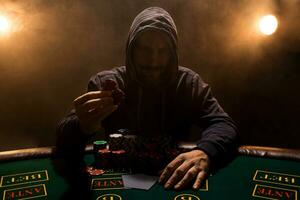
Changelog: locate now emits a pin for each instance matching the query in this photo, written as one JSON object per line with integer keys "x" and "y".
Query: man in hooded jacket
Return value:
{"x": 161, "y": 97}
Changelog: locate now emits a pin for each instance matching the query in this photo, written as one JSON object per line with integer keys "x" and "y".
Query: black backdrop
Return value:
{"x": 55, "y": 46}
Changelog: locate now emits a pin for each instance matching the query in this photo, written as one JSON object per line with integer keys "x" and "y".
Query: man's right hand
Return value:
{"x": 92, "y": 107}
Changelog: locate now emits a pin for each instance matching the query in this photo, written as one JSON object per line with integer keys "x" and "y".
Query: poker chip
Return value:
{"x": 119, "y": 152}
{"x": 134, "y": 152}
{"x": 104, "y": 153}
{"x": 89, "y": 168}
{"x": 96, "y": 172}
{"x": 115, "y": 141}
{"x": 102, "y": 159}
{"x": 123, "y": 131}
{"x": 99, "y": 144}
{"x": 109, "y": 84}
{"x": 119, "y": 159}
{"x": 93, "y": 171}
{"x": 130, "y": 144}
{"x": 117, "y": 94}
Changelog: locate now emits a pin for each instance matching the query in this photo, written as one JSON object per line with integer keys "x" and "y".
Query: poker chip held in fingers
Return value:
{"x": 117, "y": 94}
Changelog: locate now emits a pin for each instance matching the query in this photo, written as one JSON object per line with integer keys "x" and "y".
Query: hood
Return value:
{"x": 149, "y": 19}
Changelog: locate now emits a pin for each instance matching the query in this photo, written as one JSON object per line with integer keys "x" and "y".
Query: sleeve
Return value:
{"x": 69, "y": 137}
{"x": 219, "y": 137}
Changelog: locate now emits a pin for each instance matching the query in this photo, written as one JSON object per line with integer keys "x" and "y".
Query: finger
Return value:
{"x": 100, "y": 114}
{"x": 93, "y": 105}
{"x": 200, "y": 178}
{"x": 97, "y": 103}
{"x": 167, "y": 172}
{"x": 178, "y": 174}
{"x": 91, "y": 95}
{"x": 190, "y": 175}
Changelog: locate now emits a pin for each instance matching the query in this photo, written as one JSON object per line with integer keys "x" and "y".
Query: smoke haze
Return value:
{"x": 55, "y": 46}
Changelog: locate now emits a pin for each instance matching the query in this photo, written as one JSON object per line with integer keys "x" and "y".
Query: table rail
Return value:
{"x": 246, "y": 150}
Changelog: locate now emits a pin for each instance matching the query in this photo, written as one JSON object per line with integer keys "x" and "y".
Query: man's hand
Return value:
{"x": 186, "y": 167}
{"x": 92, "y": 107}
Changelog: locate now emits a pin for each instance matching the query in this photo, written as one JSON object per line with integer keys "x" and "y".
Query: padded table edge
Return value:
{"x": 246, "y": 150}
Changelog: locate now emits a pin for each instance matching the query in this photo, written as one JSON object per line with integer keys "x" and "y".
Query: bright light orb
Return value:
{"x": 268, "y": 24}
{"x": 4, "y": 24}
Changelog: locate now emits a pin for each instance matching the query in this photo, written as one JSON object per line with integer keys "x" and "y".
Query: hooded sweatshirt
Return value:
{"x": 182, "y": 101}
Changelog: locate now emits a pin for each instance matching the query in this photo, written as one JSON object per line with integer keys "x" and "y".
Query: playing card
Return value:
{"x": 139, "y": 181}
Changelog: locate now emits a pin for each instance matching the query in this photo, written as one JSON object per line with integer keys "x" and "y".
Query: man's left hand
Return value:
{"x": 186, "y": 167}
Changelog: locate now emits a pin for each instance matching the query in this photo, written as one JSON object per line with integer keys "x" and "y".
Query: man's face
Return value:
{"x": 151, "y": 56}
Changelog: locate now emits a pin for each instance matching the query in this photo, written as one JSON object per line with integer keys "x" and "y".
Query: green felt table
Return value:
{"x": 246, "y": 177}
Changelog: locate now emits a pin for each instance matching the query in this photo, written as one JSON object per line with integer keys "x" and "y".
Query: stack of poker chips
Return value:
{"x": 99, "y": 144}
{"x": 101, "y": 154}
{"x": 154, "y": 153}
{"x": 118, "y": 159}
{"x": 130, "y": 143}
{"x": 119, "y": 156}
{"x": 112, "y": 155}
{"x": 148, "y": 156}
{"x": 98, "y": 167}
{"x": 115, "y": 141}
{"x": 125, "y": 151}
{"x": 126, "y": 142}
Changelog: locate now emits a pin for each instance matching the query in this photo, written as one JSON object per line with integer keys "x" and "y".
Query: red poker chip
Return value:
{"x": 117, "y": 94}
{"x": 109, "y": 85}
{"x": 96, "y": 172}
{"x": 88, "y": 169}
{"x": 104, "y": 151}
{"x": 119, "y": 152}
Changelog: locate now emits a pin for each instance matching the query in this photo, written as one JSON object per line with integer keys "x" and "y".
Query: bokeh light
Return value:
{"x": 268, "y": 24}
{"x": 4, "y": 25}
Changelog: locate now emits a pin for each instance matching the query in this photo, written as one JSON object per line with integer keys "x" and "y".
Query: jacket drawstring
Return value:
{"x": 163, "y": 112}
{"x": 139, "y": 109}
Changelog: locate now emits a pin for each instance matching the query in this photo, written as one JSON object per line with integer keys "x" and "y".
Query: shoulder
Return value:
{"x": 111, "y": 73}
{"x": 189, "y": 76}
{"x": 185, "y": 70}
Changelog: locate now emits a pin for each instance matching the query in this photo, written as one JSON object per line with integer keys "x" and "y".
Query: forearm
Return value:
{"x": 219, "y": 141}
{"x": 70, "y": 137}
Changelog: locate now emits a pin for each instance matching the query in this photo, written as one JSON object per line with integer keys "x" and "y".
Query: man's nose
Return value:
{"x": 154, "y": 59}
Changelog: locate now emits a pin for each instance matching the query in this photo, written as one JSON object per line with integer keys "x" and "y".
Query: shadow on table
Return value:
{"x": 71, "y": 167}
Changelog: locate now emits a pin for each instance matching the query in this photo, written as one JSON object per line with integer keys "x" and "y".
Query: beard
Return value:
{"x": 150, "y": 77}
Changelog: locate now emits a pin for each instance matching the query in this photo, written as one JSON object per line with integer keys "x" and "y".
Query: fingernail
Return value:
{"x": 167, "y": 185}
{"x": 177, "y": 186}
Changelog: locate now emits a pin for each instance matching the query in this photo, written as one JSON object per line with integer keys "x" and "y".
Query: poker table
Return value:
{"x": 255, "y": 173}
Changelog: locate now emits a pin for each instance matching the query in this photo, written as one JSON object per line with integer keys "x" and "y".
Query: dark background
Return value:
{"x": 57, "y": 45}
